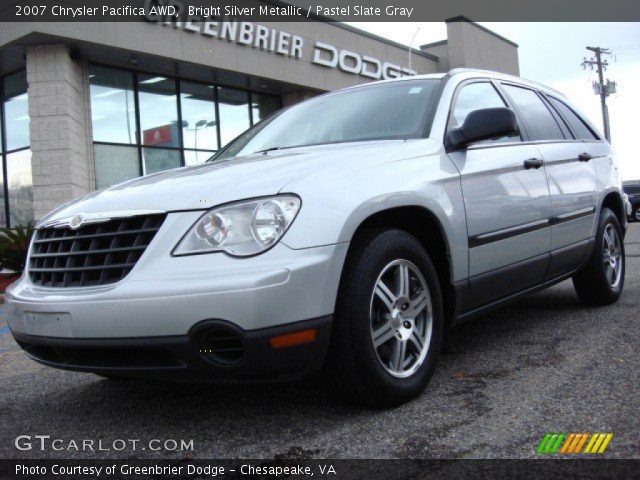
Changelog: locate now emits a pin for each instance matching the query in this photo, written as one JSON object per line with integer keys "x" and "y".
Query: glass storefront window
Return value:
{"x": 158, "y": 111}
{"x": 234, "y": 113}
{"x": 263, "y": 105}
{"x": 112, "y": 105}
{"x": 115, "y": 164}
{"x": 20, "y": 186}
{"x": 16, "y": 111}
{"x": 196, "y": 157}
{"x": 3, "y": 202}
{"x": 198, "y": 116}
{"x": 139, "y": 127}
{"x": 158, "y": 159}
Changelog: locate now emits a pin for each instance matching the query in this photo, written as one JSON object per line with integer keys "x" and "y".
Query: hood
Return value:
{"x": 211, "y": 184}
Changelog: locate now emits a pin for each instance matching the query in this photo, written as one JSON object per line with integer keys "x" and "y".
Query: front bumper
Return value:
{"x": 188, "y": 357}
{"x": 164, "y": 298}
{"x": 165, "y": 295}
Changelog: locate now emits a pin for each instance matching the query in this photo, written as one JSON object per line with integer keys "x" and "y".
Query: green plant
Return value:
{"x": 14, "y": 245}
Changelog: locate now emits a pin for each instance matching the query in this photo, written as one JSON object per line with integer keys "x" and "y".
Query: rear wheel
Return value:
{"x": 600, "y": 281}
{"x": 636, "y": 215}
{"x": 388, "y": 323}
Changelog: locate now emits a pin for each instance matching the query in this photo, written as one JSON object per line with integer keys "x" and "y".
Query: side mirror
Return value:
{"x": 484, "y": 124}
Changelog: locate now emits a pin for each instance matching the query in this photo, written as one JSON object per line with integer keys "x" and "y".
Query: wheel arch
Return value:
{"x": 613, "y": 200}
{"x": 425, "y": 225}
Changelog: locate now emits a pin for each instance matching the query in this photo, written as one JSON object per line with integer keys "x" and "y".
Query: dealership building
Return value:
{"x": 86, "y": 105}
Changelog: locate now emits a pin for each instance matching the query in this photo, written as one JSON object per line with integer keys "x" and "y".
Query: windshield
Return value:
{"x": 397, "y": 110}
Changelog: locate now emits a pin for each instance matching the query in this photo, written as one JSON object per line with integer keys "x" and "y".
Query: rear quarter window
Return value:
{"x": 579, "y": 127}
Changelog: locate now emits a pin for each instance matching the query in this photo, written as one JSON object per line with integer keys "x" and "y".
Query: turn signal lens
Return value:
{"x": 291, "y": 339}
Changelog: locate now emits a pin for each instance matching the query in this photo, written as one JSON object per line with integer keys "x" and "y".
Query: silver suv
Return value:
{"x": 350, "y": 231}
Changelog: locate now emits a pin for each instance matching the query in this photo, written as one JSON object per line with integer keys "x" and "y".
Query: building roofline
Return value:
{"x": 434, "y": 44}
{"x": 462, "y": 18}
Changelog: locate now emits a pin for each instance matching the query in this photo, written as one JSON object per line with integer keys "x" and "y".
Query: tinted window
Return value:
{"x": 20, "y": 186}
{"x": 535, "y": 115}
{"x": 158, "y": 111}
{"x": 112, "y": 105}
{"x": 577, "y": 125}
{"x": 263, "y": 106}
{"x": 16, "y": 110}
{"x": 115, "y": 164}
{"x": 476, "y": 96}
{"x": 234, "y": 113}
{"x": 198, "y": 116}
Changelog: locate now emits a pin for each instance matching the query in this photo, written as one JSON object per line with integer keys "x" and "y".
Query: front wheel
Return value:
{"x": 389, "y": 322}
{"x": 601, "y": 280}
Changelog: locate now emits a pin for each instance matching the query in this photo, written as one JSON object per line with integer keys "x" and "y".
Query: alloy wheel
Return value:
{"x": 401, "y": 317}
{"x": 612, "y": 256}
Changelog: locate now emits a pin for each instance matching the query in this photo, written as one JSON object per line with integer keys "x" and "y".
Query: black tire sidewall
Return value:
{"x": 608, "y": 218}
{"x": 383, "y": 249}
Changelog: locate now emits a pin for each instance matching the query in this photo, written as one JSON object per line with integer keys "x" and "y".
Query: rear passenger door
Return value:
{"x": 571, "y": 176}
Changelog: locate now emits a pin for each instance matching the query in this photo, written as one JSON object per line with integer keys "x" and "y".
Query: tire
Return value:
{"x": 636, "y": 214}
{"x": 600, "y": 282}
{"x": 362, "y": 372}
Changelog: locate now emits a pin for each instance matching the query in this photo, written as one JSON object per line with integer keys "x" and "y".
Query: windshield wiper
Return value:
{"x": 270, "y": 149}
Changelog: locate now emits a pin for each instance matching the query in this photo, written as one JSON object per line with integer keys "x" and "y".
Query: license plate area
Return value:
{"x": 48, "y": 324}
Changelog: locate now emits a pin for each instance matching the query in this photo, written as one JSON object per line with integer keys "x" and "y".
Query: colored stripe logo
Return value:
{"x": 573, "y": 443}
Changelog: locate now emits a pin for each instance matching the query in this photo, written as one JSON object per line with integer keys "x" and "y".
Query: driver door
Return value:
{"x": 506, "y": 203}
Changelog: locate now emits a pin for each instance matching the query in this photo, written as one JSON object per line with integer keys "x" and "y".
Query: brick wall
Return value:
{"x": 60, "y": 129}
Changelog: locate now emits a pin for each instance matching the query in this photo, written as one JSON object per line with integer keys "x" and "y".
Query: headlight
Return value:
{"x": 241, "y": 229}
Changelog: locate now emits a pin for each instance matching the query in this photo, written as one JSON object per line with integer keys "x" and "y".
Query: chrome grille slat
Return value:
{"x": 83, "y": 237}
{"x": 96, "y": 254}
{"x": 72, "y": 253}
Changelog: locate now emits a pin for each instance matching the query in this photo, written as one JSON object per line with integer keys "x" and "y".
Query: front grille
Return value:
{"x": 96, "y": 254}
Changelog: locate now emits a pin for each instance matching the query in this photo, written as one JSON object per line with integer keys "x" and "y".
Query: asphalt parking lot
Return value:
{"x": 544, "y": 364}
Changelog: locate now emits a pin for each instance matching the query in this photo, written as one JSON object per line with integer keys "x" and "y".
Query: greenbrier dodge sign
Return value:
{"x": 269, "y": 39}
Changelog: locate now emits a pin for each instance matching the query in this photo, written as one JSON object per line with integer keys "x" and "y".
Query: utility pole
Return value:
{"x": 600, "y": 88}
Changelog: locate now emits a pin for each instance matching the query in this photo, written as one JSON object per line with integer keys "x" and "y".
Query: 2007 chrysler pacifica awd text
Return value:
{"x": 348, "y": 231}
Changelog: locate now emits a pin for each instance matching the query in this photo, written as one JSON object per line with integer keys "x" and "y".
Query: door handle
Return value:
{"x": 584, "y": 157}
{"x": 533, "y": 163}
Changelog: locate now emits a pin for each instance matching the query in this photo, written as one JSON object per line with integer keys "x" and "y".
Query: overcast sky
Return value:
{"x": 551, "y": 53}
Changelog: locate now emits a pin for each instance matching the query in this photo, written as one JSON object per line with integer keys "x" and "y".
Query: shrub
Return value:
{"x": 14, "y": 245}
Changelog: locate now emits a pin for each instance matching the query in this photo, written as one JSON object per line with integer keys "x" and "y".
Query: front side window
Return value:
{"x": 377, "y": 112}
{"x": 537, "y": 119}
{"x": 579, "y": 127}
{"x": 476, "y": 96}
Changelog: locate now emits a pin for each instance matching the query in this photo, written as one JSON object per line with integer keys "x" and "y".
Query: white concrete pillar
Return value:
{"x": 60, "y": 129}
